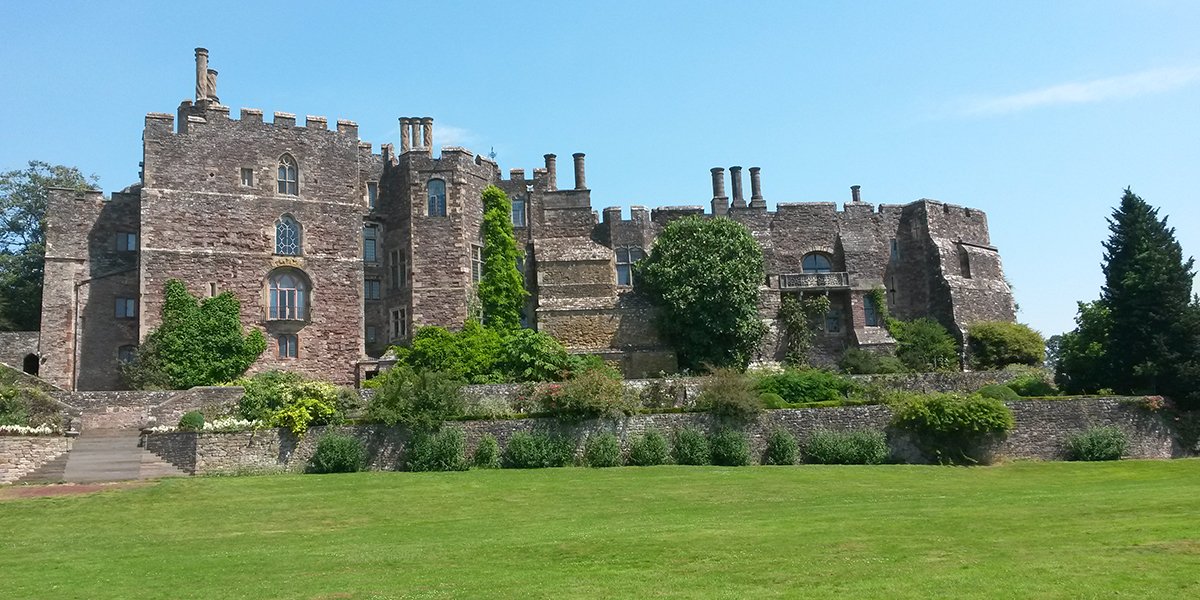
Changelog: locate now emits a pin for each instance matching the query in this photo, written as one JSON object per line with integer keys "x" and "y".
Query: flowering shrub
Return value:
{"x": 289, "y": 400}
{"x": 25, "y": 430}
{"x": 593, "y": 394}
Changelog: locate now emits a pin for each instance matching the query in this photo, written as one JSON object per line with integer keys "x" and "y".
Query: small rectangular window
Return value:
{"x": 288, "y": 345}
{"x": 212, "y": 289}
{"x": 371, "y": 334}
{"x": 833, "y": 321}
{"x": 895, "y": 249}
{"x": 476, "y": 263}
{"x": 247, "y": 177}
{"x": 870, "y": 311}
{"x": 518, "y": 211}
{"x": 126, "y": 308}
{"x": 397, "y": 269}
{"x": 372, "y": 194}
{"x": 399, "y": 323}
{"x": 626, "y": 257}
{"x": 126, "y": 354}
{"x": 371, "y": 289}
{"x": 370, "y": 243}
{"x": 127, "y": 242}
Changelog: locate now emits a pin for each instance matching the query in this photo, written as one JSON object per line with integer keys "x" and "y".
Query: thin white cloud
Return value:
{"x": 449, "y": 135}
{"x": 1152, "y": 81}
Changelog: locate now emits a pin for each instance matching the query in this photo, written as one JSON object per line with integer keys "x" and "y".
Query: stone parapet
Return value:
{"x": 1042, "y": 429}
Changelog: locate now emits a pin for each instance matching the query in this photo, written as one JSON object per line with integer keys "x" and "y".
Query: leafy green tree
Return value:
{"x": 23, "y": 195}
{"x": 501, "y": 287}
{"x": 1081, "y": 365}
{"x": 704, "y": 275}
{"x": 997, "y": 344}
{"x": 923, "y": 345}
{"x": 198, "y": 343}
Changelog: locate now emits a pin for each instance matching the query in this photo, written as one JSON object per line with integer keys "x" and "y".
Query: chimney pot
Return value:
{"x": 735, "y": 177}
{"x": 855, "y": 195}
{"x": 405, "y": 138}
{"x": 580, "y": 182}
{"x": 551, "y": 172}
{"x": 756, "y": 197}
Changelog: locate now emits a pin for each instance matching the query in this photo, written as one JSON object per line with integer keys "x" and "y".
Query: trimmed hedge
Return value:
{"x": 527, "y": 450}
{"x": 603, "y": 450}
{"x": 1097, "y": 443}
{"x": 338, "y": 453}
{"x": 649, "y": 449}
{"x": 729, "y": 448}
{"x": 691, "y": 447}
{"x": 864, "y": 447}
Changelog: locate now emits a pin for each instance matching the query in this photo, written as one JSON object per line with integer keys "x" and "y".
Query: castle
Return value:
{"x": 337, "y": 252}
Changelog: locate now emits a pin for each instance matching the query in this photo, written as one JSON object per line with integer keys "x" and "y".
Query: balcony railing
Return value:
{"x": 815, "y": 281}
{"x": 286, "y": 313}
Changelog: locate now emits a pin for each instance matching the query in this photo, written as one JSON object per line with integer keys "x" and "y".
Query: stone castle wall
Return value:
{"x": 206, "y": 207}
{"x": 1042, "y": 428}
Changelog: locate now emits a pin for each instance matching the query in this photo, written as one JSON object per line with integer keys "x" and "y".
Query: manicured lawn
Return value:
{"x": 1026, "y": 530}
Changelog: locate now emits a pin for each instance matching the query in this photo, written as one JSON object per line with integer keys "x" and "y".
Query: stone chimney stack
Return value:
{"x": 855, "y": 196}
{"x": 427, "y": 133}
{"x": 212, "y": 86}
{"x": 756, "y": 197}
{"x": 551, "y": 172}
{"x": 735, "y": 179}
{"x": 580, "y": 181}
{"x": 405, "y": 138}
{"x": 201, "y": 74}
{"x": 720, "y": 202}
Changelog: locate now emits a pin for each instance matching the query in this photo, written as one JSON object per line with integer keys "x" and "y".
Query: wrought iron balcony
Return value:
{"x": 838, "y": 280}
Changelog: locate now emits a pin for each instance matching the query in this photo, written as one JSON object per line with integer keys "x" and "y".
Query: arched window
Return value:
{"x": 287, "y": 295}
{"x": 288, "y": 176}
{"x": 437, "y": 198}
{"x": 817, "y": 262}
{"x": 287, "y": 236}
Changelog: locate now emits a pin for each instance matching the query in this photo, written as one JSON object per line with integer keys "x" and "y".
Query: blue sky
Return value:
{"x": 1039, "y": 113}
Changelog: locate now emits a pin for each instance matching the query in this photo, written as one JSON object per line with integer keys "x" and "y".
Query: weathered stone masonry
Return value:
{"x": 1042, "y": 429}
{"x": 378, "y": 244}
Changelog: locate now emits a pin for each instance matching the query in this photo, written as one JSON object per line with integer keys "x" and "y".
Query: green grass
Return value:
{"x": 1026, "y": 530}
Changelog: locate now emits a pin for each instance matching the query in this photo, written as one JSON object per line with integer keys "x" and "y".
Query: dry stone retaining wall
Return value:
{"x": 1042, "y": 427}
{"x": 22, "y": 455}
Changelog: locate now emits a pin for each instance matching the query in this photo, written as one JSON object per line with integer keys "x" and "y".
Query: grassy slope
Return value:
{"x": 1037, "y": 530}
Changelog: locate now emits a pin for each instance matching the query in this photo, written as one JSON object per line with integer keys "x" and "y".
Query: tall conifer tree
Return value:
{"x": 1148, "y": 292}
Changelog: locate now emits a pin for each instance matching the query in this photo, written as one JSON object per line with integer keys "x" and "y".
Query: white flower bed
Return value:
{"x": 23, "y": 430}
{"x": 221, "y": 425}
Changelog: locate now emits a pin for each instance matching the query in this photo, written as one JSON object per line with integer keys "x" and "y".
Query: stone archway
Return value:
{"x": 30, "y": 364}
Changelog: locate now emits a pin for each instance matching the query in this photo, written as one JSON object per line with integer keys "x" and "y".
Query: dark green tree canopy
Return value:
{"x": 501, "y": 287}
{"x": 704, "y": 275}
{"x": 1147, "y": 289}
{"x": 1143, "y": 334}
{"x": 198, "y": 343}
{"x": 23, "y": 195}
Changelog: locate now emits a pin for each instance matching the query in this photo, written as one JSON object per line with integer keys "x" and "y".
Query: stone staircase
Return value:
{"x": 104, "y": 454}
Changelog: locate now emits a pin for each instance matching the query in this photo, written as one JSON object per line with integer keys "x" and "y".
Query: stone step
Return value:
{"x": 51, "y": 472}
{"x": 104, "y": 455}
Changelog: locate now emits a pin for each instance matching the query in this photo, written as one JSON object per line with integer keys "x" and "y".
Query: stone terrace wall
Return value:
{"x": 1041, "y": 432}
{"x": 953, "y": 381}
{"x": 22, "y": 455}
{"x": 685, "y": 389}
{"x": 116, "y": 409}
